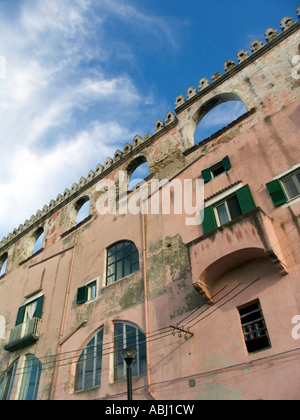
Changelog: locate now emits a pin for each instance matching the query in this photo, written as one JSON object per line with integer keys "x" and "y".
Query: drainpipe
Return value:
{"x": 63, "y": 323}
{"x": 147, "y": 323}
{"x": 144, "y": 242}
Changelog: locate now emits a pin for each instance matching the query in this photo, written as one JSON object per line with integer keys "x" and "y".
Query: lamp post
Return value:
{"x": 128, "y": 355}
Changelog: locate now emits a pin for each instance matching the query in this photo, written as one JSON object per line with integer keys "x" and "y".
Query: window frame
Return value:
{"x": 111, "y": 277}
{"x": 209, "y": 173}
{"x": 278, "y": 190}
{"x": 23, "y": 310}
{"x": 84, "y": 292}
{"x": 92, "y": 286}
{"x": 32, "y": 372}
{"x": 245, "y": 199}
{"x": 122, "y": 341}
{"x": 294, "y": 178}
{"x": 82, "y": 366}
{"x": 228, "y": 212}
{"x": 255, "y": 329}
{"x": 7, "y": 381}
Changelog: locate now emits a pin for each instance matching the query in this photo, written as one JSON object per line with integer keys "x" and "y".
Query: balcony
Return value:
{"x": 23, "y": 335}
{"x": 247, "y": 238}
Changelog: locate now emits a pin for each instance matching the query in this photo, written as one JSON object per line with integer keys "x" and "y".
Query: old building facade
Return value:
{"x": 212, "y": 308}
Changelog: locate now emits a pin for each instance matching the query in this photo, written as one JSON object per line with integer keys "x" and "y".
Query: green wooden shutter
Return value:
{"x": 20, "y": 316}
{"x": 226, "y": 163}
{"x": 39, "y": 308}
{"x": 276, "y": 192}
{"x": 245, "y": 199}
{"x": 81, "y": 295}
{"x": 206, "y": 175}
{"x": 209, "y": 221}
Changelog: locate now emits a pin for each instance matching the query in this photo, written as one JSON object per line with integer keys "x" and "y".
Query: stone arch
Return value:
{"x": 133, "y": 166}
{"x": 209, "y": 277}
{"x": 208, "y": 106}
{"x": 3, "y": 263}
{"x": 82, "y": 209}
{"x": 38, "y": 238}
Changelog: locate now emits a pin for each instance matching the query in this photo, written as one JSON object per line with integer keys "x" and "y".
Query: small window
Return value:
{"x": 285, "y": 189}
{"x": 3, "y": 264}
{"x": 254, "y": 328}
{"x": 228, "y": 210}
{"x": 92, "y": 290}
{"x": 87, "y": 293}
{"x": 231, "y": 207}
{"x": 128, "y": 335}
{"x": 89, "y": 364}
{"x": 122, "y": 260}
{"x": 292, "y": 185}
{"x": 216, "y": 170}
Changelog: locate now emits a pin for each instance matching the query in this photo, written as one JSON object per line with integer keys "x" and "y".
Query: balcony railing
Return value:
{"x": 23, "y": 335}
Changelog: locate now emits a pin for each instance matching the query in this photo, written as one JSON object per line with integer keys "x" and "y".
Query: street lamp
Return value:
{"x": 128, "y": 355}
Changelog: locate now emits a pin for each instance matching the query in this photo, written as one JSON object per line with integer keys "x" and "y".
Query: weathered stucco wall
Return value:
{"x": 187, "y": 279}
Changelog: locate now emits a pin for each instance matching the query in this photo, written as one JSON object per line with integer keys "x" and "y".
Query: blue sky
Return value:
{"x": 80, "y": 78}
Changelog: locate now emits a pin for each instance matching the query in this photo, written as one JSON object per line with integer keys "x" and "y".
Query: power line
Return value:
{"x": 263, "y": 256}
{"x": 108, "y": 348}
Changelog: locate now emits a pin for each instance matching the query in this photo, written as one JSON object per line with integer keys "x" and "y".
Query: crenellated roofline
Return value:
{"x": 258, "y": 48}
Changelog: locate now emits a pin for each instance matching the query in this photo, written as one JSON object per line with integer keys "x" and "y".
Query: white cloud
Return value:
{"x": 36, "y": 178}
{"x": 62, "y": 111}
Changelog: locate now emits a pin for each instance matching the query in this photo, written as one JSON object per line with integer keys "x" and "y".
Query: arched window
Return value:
{"x": 39, "y": 239}
{"x": 216, "y": 114}
{"x": 7, "y": 381}
{"x": 122, "y": 260}
{"x": 89, "y": 364}
{"x": 3, "y": 264}
{"x": 30, "y": 378}
{"x": 137, "y": 171}
{"x": 128, "y": 335}
{"x": 83, "y": 209}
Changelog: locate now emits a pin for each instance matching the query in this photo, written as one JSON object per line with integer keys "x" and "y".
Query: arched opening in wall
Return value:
{"x": 7, "y": 382}
{"x": 30, "y": 378}
{"x": 82, "y": 208}
{"x": 89, "y": 364}
{"x": 39, "y": 239}
{"x": 3, "y": 264}
{"x": 137, "y": 171}
{"x": 217, "y": 114}
{"x": 128, "y": 335}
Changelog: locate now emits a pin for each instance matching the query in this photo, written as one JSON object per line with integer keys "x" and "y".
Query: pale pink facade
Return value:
{"x": 206, "y": 279}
